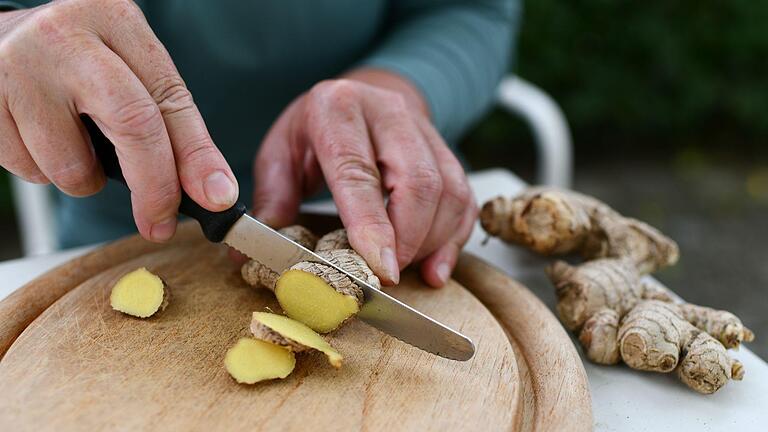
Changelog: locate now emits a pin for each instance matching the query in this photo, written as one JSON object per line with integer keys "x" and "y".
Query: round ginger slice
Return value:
{"x": 293, "y": 335}
{"x": 139, "y": 293}
{"x": 250, "y": 361}
{"x": 309, "y": 299}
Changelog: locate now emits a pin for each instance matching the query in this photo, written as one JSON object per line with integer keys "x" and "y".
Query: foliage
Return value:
{"x": 651, "y": 74}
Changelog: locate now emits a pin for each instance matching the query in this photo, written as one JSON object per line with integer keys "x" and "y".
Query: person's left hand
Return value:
{"x": 367, "y": 134}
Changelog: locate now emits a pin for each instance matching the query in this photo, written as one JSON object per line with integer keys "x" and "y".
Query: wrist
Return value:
{"x": 391, "y": 81}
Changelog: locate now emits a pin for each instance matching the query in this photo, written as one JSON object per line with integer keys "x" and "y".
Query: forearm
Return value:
{"x": 453, "y": 53}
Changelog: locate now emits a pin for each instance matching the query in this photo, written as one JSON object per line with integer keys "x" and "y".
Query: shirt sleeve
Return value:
{"x": 6, "y": 6}
{"x": 455, "y": 52}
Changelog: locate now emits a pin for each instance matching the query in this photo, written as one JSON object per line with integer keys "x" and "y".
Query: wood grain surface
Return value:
{"x": 79, "y": 365}
{"x": 554, "y": 382}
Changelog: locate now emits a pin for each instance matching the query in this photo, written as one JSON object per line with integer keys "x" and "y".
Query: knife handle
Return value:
{"x": 215, "y": 225}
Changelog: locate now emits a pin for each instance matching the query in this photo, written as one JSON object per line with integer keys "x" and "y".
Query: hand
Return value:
{"x": 364, "y": 135}
{"x": 99, "y": 57}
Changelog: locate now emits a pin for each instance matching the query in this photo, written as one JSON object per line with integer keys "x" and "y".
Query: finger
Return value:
{"x": 437, "y": 268}
{"x": 202, "y": 170}
{"x": 456, "y": 194}
{"x": 130, "y": 118}
{"x": 52, "y": 135}
{"x": 313, "y": 175}
{"x": 278, "y": 174}
{"x": 337, "y": 129}
{"x": 410, "y": 171}
{"x": 13, "y": 155}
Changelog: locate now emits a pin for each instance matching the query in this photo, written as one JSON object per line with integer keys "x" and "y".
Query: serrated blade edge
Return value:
{"x": 380, "y": 310}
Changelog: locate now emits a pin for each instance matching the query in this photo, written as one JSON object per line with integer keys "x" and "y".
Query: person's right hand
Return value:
{"x": 100, "y": 58}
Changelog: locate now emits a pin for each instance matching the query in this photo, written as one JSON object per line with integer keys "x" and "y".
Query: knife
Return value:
{"x": 261, "y": 243}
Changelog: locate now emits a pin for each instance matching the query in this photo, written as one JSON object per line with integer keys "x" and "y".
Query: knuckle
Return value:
{"x": 425, "y": 182}
{"x": 171, "y": 94}
{"x": 139, "y": 119}
{"x": 395, "y": 100}
{"x": 338, "y": 91}
{"x": 353, "y": 170}
{"x": 121, "y": 9}
{"x": 199, "y": 151}
{"x": 459, "y": 192}
{"x": 47, "y": 20}
{"x": 161, "y": 198}
{"x": 76, "y": 179}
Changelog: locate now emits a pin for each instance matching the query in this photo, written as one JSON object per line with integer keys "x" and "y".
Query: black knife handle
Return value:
{"x": 215, "y": 225}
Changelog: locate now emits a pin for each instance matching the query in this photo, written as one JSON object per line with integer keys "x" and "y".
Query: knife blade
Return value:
{"x": 380, "y": 310}
{"x": 260, "y": 242}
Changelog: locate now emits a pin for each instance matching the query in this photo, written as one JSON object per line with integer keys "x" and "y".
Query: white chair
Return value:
{"x": 34, "y": 208}
{"x": 549, "y": 127}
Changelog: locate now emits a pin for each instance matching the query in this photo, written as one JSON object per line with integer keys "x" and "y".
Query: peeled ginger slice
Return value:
{"x": 292, "y": 334}
{"x": 139, "y": 293}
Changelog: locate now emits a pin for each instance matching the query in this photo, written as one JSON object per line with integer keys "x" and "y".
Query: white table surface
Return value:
{"x": 622, "y": 399}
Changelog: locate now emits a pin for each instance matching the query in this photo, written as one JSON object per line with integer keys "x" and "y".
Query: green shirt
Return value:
{"x": 244, "y": 61}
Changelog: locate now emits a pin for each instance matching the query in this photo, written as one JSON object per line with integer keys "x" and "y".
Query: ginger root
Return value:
{"x": 618, "y": 315}
{"x": 139, "y": 293}
{"x": 315, "y": 297}
{"x": 556, "y": 222}
{"x": 312, "y": 293}
{"x": 250, "y": 361}
{"x": 319, "y": 295}
{"x": 722, "y": 325}
{"x": 655, "y": 334}
{"x": 292, "y": 335}
{"x": 261, "y": 276}
{"x": 333, "y": 240}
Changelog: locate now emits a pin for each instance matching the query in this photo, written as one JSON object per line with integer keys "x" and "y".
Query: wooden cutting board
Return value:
{"x": 72, "y": 363}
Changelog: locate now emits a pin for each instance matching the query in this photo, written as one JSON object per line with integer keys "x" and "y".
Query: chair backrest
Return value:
{"x": 35, "y": 216}
{"x": 548, "y": 125}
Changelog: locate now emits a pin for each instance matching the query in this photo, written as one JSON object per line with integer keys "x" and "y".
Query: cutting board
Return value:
{"x": 70, "y": 362}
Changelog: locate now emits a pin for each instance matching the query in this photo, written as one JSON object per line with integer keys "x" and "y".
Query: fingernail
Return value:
{"x": 443, "y": 272}
{"x": 219, "y": 189}
{"x": 390, "y": 266}
{"x": 164, "y": 230}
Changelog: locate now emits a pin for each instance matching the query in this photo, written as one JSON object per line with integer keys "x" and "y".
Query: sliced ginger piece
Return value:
{"x": 291, "y": 335}
{"x": 321, "y": 296}
{"x": 250, "y": 361}
{"x": 139, "y": 293}
{"x": 309, "y": 299}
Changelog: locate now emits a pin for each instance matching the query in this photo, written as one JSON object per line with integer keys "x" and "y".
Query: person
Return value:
{"x": 361, "y": 96}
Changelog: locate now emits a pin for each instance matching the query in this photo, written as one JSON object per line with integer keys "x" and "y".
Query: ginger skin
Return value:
{"x": 618, "y": 315}
{"x": 140, "y": 293}
{"x": 705, "y": 365}
{"x": 550, "y": 221}
{"x": 333, "y": 240}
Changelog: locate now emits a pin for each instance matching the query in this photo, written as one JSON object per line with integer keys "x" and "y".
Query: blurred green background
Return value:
{"x": 644, "y": 77}
{"x": 668, "y": 106}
